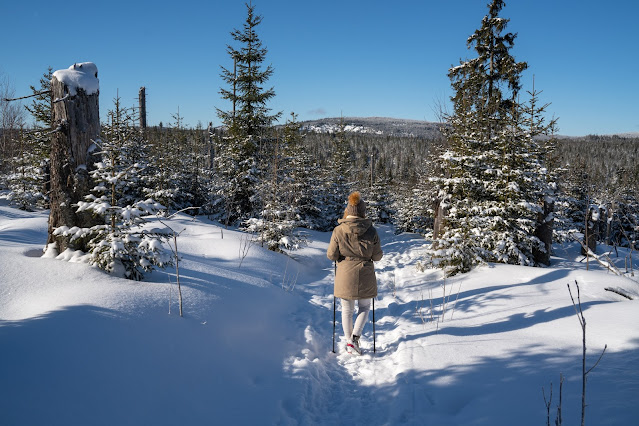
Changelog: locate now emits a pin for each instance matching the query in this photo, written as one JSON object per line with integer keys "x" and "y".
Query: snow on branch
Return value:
{"x": 602, "y": 260}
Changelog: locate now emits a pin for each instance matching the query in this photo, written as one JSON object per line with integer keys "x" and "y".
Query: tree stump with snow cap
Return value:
{"x": 76, "y": 121}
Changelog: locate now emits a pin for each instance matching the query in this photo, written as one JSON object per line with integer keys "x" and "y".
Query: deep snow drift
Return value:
{"x": 79, "y": 346}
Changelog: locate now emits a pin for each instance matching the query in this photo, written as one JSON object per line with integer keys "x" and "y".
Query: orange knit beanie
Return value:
{"x": 356, "y": 206}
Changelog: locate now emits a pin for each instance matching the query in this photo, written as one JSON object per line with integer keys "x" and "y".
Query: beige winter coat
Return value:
{"x": 355, "y": 245}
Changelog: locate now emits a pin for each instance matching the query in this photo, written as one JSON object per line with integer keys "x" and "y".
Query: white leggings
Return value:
{"x": 348, "y": 308}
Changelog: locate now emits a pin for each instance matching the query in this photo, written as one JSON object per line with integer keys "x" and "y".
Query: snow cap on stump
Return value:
{"x": 82, "y": 75}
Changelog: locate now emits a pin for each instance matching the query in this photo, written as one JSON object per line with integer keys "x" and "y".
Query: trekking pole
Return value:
{"x": 333, "y": 323}
{"x": 374, "y": 349}
{"x": 334, "y": 312}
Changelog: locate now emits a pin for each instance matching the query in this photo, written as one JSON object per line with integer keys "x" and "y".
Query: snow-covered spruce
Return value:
{"x": 120, "y": 244}
{"x": 494, "y": 187}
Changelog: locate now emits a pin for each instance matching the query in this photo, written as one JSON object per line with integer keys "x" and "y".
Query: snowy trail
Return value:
{"x": 343, "y": 388}
{"x": 447, "y": 348}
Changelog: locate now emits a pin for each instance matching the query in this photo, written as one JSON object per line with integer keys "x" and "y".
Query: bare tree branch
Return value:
{"x": 28, "y": 96}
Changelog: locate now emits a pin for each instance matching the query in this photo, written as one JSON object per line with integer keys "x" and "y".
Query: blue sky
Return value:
{"x": 331, "y": 58}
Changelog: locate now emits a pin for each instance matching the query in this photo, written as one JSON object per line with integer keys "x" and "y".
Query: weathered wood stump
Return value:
{"x": 76, "y": 118}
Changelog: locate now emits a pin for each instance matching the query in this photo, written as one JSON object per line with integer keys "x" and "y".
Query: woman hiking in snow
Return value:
{"x": 354, "y": 246}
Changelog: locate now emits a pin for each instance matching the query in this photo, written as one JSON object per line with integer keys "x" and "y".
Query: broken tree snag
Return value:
{"x": 591, "y": 231}
{"x": 76, "y": 121}
{"x": 142, "y": 102}
{"x": 438, "y": 223}
{"x": 545, "y": 223}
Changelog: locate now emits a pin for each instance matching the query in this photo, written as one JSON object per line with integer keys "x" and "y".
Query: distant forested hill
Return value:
{"x": 401, "y": 147}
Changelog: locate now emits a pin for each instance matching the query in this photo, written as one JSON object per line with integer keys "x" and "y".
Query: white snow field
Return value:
{"x": 81, "y": 347}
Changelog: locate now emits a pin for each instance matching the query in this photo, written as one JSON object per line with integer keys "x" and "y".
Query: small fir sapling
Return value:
{"x": 176, "y": 254}
{"x": 121, "y": 243}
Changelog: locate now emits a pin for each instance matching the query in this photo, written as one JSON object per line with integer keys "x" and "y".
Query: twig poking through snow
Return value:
{"x": 584, "y": 372}
{"x": 619, "y": 292}
{"x": 455, "y": 303}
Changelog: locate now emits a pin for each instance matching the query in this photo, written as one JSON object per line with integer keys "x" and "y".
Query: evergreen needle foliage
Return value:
{"x": 120, "y": 244}
{"x": 247, "y": 122}
{"x": 494, "y": 180}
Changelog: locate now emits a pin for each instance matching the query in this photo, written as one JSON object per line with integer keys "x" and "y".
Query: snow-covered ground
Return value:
{"x": 80, "y": 347}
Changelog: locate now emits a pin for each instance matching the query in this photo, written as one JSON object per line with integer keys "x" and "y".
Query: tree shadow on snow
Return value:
{"x": 476, "y": 301}
{"x": 89, "y": 365}
{"x": 508, "y": 390}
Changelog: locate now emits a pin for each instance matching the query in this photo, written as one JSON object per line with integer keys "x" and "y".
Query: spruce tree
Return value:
{"x": 302, "y": 176}
{"x": 199, "y": 171}
{"x": 487, "y": 86}
{"x": 40, "y": 108}
{"x": 379, "y": 202}
{"x": 120, "y": 244}
{"x": 337, "y": 179}
{"x": 413, "y": 206}
{"x": 378, "y": 194}
{"x": 543, "y": 168}
{"x": 28, "y": 182}
{"x": 247, "y": 121}
{"x": 285, "y": 192}
{"x": 169, "y": 182}
{"x": 493, "y": 179}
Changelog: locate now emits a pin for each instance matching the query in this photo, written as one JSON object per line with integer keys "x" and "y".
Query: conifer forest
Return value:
{"x": 493, "y": 181}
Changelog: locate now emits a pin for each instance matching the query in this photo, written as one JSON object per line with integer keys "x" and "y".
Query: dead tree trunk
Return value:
{"x": 142, "y": 101}
{"x": 545, "y": 224}
{"x": 211, "y": 141}
{"x": 591, "y": 234}
{"x": 609, "y": 216}
{"x": 77, "y": 123}
{"x": 438, "y": 223}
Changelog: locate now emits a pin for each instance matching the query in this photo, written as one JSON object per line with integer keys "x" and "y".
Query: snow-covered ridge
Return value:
{"x": 332, "y": 128}
{"x": 374, "y": 126}
{"x": 82, "y": 75}
{"x": 629, "y": 135}
{"x": 400, "y": 127}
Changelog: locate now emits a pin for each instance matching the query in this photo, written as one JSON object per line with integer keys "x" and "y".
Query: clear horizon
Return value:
{"x": 351, "y": 59}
